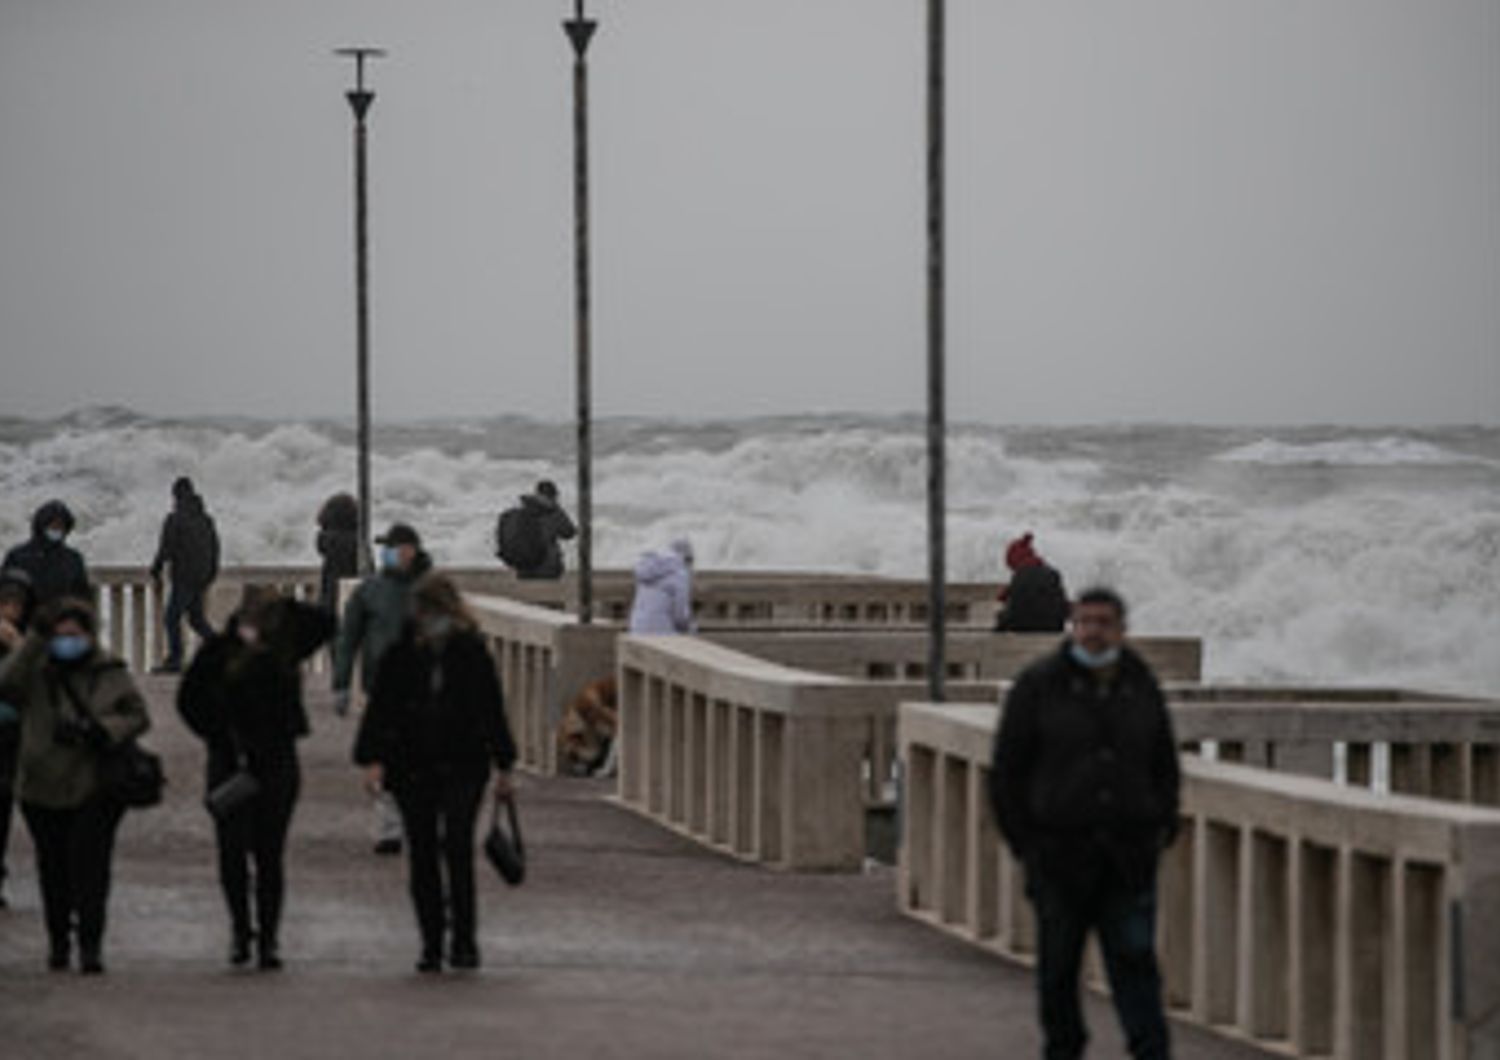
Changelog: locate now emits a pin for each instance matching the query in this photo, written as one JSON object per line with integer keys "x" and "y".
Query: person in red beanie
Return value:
{"x": 1035, "y": 600}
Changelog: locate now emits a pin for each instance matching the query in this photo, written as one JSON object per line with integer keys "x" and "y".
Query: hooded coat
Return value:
{"x": 338, "y": 544}
{"x": 556, "y": 527}
{"x": 663, "y": 594}
{"x": 189, "y": 544}
{"x": 55, "y": 569}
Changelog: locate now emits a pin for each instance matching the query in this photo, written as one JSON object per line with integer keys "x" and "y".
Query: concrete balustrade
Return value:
{"x": 1438, "y": 747}
{"x": 768, "y": 763}
{"x": 1314, "y": 919}
{"x": 544, "y": 658}
{"x": 131, "y": 605}
{"x": 972, "y": 654}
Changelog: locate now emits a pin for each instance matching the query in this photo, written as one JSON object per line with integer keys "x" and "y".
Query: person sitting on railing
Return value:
{"x": 55, "y": 569}
{"x": 1034, "y": 601}
{"x": 664, "y": 591}
{"x": 190, "y": 546}
{"x": 372, "y": 622}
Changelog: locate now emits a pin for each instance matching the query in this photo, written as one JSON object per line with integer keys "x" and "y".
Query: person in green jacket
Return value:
{"x": 372, "y": 622}
{"x": 75, "y": 701}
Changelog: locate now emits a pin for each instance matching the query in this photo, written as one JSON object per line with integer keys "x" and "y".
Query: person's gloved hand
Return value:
{"x": 341, "y": 699}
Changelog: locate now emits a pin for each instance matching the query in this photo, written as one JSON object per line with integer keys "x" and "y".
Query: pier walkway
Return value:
{"x": 626, "y": 941}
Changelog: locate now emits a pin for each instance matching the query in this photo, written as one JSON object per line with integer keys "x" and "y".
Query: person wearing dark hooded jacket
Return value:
{"x": 242, "y": 695}
{"x": 339, "y": 545}
{"x": 553, "y": 526}
{"x": 433, "y": 730}
{"x": 55, "y": 569}
{"x": 1035, "y": 600}
{"x": 190, "y": 546}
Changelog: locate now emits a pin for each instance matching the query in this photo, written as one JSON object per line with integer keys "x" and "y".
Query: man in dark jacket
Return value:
{"x": 1084, "y": 786}
{"x": 550, "y": 525}
{"x": 1035, "y": 600}
{"x": 373, "y": 620}
{"x": 55, "y": 569}
{"x": 190, "y": 545}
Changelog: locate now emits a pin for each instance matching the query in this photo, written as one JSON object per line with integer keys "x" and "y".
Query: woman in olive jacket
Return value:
{"x": 434, "y": 726}
{"x": 242, "y": 695}
{"x": 75, "y": 702}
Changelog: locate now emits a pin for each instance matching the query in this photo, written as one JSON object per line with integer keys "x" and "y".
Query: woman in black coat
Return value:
{"x": 243, "y": 696}
{"x": 339, "y": 545}
{"x": 434, "y": 726}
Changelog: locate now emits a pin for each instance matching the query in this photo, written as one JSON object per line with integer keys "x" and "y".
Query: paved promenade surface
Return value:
{"x": 626, "y": 941}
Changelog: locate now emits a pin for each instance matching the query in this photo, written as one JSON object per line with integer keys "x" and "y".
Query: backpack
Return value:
{"x": 520, "y": 542}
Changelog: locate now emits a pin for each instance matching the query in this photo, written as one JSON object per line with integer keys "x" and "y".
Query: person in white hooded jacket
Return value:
{"x": 664, "y": 591}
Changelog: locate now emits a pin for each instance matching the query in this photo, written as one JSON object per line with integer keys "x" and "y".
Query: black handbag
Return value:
{"x": 129, "y": 775}
{"x": 230, "y": 796}
{"x": 506, "y": 852}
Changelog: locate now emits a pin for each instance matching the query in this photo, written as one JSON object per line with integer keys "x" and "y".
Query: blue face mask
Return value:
{"x": 69, "y": 647}
{"x": 1094, "y": 660}
{"x": 390, "y": 557}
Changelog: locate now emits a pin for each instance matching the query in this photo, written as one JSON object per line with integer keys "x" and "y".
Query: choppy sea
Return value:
{"x": 1312, "y": 554}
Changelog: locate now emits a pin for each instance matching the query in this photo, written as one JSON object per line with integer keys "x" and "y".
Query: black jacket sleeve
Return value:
{"x": 491, "y": 702}
{"x": 1011, "y": 763}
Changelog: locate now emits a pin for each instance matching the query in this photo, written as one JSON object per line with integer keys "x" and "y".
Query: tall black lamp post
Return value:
{"x": 580, "y": 31}
{"x": 937, "y": 661}
{"x": 360, "y": 99}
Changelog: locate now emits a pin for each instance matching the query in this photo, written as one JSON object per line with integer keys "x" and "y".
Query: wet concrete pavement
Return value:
{"x": 625, "y": 941}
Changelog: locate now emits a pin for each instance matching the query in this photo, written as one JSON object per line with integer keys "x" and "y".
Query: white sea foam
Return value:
{"x": 1388, "y": 451}
{"x": 1292, "y": 570}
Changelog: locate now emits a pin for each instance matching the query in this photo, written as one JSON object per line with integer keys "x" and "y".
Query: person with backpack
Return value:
{"x": 190, "y": 546}
{"x": 527, "y": 536}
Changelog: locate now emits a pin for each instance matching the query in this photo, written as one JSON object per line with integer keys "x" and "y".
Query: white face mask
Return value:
{"x": 54, "y": 535}
{"x": 1094, "y": 660}
{"x": 250, "y": 635}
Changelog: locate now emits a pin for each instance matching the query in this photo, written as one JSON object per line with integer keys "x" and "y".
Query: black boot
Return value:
{"x": 239, "y": 947}
{"x": 90, "y": 959}
{"x": 270, "y": 954}
{"x": 59, "y": 955}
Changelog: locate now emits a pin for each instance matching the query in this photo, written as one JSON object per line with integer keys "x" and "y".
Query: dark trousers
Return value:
{"x": 438, "y": 809}
{"x": 252, "y": 841}
{"x": 8, "y": 751}
{"x": 1124, "y": 916}
{"x": 74, "y": 849}
{"x": 184, "y": 600}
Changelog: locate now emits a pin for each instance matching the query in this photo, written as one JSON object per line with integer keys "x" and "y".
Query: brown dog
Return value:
{"x": 587, "y": 729}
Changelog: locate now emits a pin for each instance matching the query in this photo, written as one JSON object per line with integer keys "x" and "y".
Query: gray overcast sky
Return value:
{"x": 1208, "y": 210}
